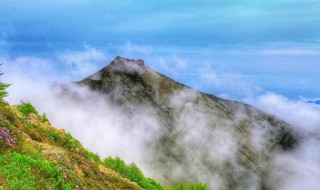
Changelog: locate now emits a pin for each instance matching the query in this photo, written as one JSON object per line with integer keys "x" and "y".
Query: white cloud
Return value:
{"x": 227, "y": 85}
{"x": 299, "y": 169}
{"x": 83, "y": 63}
{"x": 305, "y": 117}
{"x": 30, "y": 74}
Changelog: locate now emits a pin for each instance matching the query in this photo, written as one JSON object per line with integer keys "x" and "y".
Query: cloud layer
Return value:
{"x": 305, "y": 117}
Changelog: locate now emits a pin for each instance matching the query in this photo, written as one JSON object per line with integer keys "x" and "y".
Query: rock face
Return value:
{"x": 226, "y": 144}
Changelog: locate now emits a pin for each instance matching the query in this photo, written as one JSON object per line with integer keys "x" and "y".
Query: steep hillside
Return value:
{"x": 227, "y": 144}
{"x": 35, "y": 155}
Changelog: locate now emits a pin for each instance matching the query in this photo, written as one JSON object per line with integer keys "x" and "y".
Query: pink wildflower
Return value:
{"x": 60, "y": 168}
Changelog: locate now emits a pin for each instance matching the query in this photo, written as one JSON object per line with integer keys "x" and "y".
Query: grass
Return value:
{"x": 132, "y": 172}
{"x": 197, "y": 186}
{"x": 23, "y": 172}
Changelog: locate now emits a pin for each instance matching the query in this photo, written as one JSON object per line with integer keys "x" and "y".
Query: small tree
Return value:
{"x": 3, "y": 87}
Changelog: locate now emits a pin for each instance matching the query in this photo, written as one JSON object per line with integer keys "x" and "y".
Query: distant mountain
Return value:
{"x": 314, "y": 102}
{"x": 226, "y": 144}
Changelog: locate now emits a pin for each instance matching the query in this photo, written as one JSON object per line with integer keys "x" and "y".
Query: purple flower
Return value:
{"x": 60, "y": 168}
{"x": 1, "y": 137}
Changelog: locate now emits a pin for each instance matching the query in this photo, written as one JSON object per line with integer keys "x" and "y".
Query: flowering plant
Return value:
{"x": 6, "y": 137}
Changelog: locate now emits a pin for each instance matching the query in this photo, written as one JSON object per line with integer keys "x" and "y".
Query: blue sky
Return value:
{"x": 234, "y": 49}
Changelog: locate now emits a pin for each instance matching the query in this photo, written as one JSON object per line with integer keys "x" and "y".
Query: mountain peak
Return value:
{"x": 127, "y": 64}
{"x": 122, "y": 60}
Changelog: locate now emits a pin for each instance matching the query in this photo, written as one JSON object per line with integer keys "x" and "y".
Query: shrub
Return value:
{"x": 197, "y": 186}
{"x": 6, "y": 139}
{"x": 132, "y": 172}
{"x": 56, "y": 137}
{"x": 70, "y": 143}
{"x": 3, "y": 87}
{"x": 5, "y": 135}
{"x": 95, "y": 157}
{"x": 45, "y": 119}
{"x": 27, "y": 108}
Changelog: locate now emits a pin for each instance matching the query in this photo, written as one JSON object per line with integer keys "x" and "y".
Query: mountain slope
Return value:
{"x": 34, "y": 155}
{"x": 226, "y": 144}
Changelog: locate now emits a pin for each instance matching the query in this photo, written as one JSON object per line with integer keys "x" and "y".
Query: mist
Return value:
{"x": 298, "y": 169}
{"x": 101, "y": 127}
{"x": 108, "y": 130}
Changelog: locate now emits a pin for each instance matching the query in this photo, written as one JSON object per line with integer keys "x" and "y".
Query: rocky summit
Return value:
{"x": 226, "y": 144}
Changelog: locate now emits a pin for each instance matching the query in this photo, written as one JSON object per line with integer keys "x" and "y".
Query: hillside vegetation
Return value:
{"x": 35, "y": 155}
